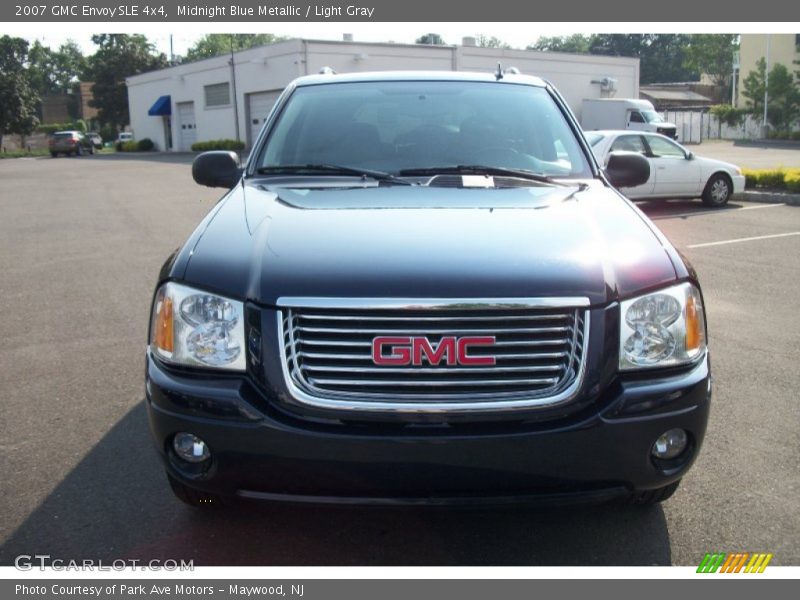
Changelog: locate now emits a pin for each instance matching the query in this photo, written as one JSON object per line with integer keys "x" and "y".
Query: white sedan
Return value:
{"x": 675, "y": 172}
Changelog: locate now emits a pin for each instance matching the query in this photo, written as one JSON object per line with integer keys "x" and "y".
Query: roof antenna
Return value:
{"x": 499, "y": 73}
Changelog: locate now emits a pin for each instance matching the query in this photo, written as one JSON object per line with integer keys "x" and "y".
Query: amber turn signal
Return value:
{"x": 163, "y": 334}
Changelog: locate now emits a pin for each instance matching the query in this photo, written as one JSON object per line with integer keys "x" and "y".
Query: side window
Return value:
{"x": 630, "y": 143}
{"x": 636, "y": 117}
{"x": 664, "y": 148}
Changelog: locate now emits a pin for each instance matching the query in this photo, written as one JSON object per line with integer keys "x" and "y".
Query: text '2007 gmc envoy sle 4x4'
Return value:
{"x": 422, "y": 289}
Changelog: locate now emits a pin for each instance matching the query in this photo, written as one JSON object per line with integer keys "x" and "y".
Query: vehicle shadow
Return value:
{"x": 680, "y": 208}
{"x": 115, "y": 504}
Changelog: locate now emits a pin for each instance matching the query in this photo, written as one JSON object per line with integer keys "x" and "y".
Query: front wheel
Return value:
{"x": 718, "y": 191}
{"x": 54, "y": 154}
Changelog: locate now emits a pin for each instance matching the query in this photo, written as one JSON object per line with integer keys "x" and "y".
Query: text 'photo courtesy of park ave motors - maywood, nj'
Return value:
{"x": 325, "y": 11}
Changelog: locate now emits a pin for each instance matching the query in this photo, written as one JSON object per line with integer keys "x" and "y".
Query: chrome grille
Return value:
{"x": 538, "y": 350}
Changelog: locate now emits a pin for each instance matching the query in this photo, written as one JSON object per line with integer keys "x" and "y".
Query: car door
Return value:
{"x": 634, "y": 143}
{"x": 676, "y": 171}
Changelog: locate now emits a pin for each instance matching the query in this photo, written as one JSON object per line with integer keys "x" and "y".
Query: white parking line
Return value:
{"x": 747, "y": 239}
{"x": 716, "y": 211}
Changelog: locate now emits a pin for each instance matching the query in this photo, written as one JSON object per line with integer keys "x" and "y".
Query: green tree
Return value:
{"x": 55, "y": 71}
{"x": 432, "y": 39}
{"x": 577, "y": 43}
{"x": 662, "y": 56}
{"x": 118, "y": 56}
{"x": 783, "y": 95}
{"x": 18, "y": 99}
{"x": 753, "y": 87}
{"x": 215, "y": 44}
{"x": 712, "y": 54}
{"x": 485, "y": 41}
{"x": 784, "y": 98}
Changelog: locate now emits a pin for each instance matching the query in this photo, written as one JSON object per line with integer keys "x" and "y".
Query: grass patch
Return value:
{"x": 25, "y": 153}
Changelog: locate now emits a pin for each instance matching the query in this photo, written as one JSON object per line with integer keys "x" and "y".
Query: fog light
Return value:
{"x": 190, "y": 448}
{"x": 670, "y": 444}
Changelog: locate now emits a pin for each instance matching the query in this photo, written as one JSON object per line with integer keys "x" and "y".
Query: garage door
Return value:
{"x": 258, "y": 107}
{"x": 187, "y": 133}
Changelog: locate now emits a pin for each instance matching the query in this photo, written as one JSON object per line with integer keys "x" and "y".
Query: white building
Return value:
{"x": 180, "y": 105}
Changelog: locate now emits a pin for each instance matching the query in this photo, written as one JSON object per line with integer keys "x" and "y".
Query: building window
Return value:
{"x": 218, "y": 94}
{"x": 797, "y": 41}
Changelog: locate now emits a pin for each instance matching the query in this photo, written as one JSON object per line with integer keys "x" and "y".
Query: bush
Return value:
{"x": 730, "y": 115}
{"x": 143, "y": 145}
{"x": 234, "y": 145}
{"x": 792, "y": 181}
{"x": 750, "y": 178}
{"x": 773, "y": 179}
{"x": 50, "y": 128}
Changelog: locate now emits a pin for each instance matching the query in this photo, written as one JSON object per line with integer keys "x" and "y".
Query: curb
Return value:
{"x": 771, "y": 197}
{"x": 790, "y": 144}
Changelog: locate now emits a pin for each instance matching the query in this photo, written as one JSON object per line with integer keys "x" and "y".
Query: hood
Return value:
{"x": 427, "y": 242}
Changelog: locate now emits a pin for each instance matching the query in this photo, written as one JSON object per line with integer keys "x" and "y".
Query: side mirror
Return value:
{"x": 219, "y": 168}
{"x": 627, "y": 169}
{"x": 690, "y": 156}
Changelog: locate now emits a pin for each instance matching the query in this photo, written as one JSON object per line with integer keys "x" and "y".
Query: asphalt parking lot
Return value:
{"x": 81, "y": 242}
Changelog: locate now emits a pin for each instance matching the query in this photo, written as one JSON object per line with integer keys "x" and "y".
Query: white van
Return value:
{"x": 624, "y": 113}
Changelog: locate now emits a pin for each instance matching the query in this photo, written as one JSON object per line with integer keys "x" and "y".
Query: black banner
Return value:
{"x": 118, "y": 11}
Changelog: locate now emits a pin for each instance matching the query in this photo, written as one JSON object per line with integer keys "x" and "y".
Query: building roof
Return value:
{"x": 416, "y": 76}
{"x": 663, "y": 95}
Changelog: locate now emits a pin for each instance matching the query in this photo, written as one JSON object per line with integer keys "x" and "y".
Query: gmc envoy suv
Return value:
{"x": 422, "y": 289}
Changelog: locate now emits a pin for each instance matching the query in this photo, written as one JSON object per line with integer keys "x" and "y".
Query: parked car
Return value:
{"x": 95, "y": 138}
{"x": 423, "y": 289}
{"x": 125, "y": 136}
{"x": 675, "y": 172}
{"x": 624, "y": 113}
{"x": 69, "y": 142}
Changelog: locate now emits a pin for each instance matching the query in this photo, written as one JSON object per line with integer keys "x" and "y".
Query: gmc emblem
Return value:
{"x": 403, "y": 351}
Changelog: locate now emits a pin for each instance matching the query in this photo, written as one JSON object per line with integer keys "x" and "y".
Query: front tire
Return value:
{"x": 718, "y": 190}
{"x": 54, "y": 154}
{"x": 192, "y": 497}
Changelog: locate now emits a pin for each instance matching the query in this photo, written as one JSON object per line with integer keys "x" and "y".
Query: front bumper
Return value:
{"x": 738, "y": 187}
{"x": 263, "y": 453}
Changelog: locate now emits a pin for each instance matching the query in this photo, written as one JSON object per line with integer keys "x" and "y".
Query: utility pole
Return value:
{"x": 766, "y": 88}
{"x": 233, "y": 85}
{"x": 171, "y": 52}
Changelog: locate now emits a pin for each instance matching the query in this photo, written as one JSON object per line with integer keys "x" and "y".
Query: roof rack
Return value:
{"x": 327, "y": 71}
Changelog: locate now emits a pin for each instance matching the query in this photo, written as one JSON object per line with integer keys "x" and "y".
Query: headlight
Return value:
{"x": 195, "y": 328}
{"x": 663, "y": 329}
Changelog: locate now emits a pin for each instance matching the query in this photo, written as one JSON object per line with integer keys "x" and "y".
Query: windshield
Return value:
{"x": 652, "y": 116}
{"x": 401, "y": 126}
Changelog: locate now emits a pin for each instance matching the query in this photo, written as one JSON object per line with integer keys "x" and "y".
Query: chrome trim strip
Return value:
{"x": 453, "y": 331}
{"x": 433, "y": 303}
{"x": 483, "y": 403}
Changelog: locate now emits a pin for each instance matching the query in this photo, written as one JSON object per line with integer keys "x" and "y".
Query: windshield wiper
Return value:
{"x": 482, "y": 170}
{"x": 331, "y": 169}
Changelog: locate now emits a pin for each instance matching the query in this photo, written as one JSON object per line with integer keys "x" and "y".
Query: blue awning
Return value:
{"x": 161, "y": 107}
